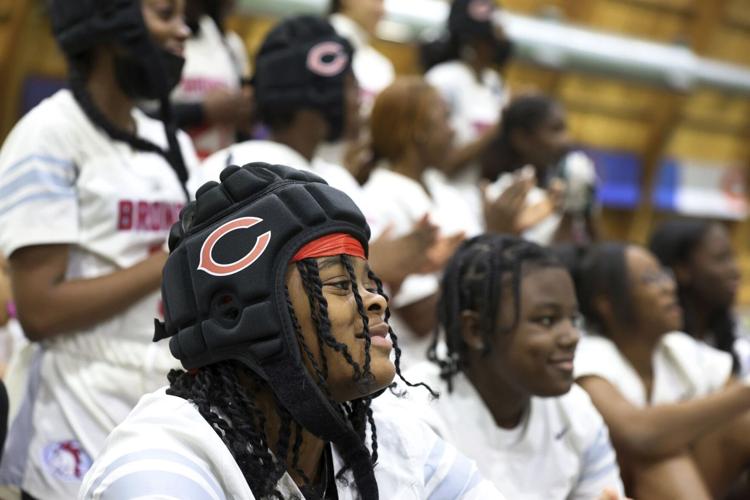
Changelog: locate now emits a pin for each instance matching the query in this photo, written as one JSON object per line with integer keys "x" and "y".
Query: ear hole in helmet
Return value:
{"x": 226, "y": 308}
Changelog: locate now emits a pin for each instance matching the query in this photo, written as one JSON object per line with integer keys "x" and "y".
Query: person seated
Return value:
{"x": 282, "y": 328}
{"x": 679, "y": 423}
{"x": 700, "y": 255}
{"x": 503, "y": 362}
{"x": 532, "y": 154}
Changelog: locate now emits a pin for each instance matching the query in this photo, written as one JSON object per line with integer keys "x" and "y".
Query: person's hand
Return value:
{"x": 611, "y": 494}
{"x": 394, "y": 258}
{"x": 502, "y": 213}
{"x": 225, "y": 107}
{"x": 440, "y": 253}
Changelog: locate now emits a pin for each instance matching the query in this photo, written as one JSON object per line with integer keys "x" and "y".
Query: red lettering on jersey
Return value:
{"x": 147, "y": 216}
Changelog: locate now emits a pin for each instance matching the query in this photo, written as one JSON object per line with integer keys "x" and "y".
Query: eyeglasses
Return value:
{"x": 652, "y": 278}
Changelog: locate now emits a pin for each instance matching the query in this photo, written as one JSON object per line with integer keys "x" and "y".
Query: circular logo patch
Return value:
{"x": 66, "y": 460}
{"x": 327, "y": 59}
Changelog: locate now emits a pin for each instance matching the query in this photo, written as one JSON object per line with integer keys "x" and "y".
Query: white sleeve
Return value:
{"x": 717, "y": 366}
{"x": 415, "y": 287}
{"x": 152, "y": 473}
{"x": 599, "y": 468}
{"x": 38, "y": 200}
{"x": 450, "y": 475}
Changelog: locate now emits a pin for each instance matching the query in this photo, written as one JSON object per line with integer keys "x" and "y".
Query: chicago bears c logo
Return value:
{"x": 327, "y": 59}
{"x": 207, "y": 262}
{"x": 480, "y": 10}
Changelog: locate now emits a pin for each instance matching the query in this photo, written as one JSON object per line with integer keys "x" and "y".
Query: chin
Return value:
{"x": 554, "y": 388}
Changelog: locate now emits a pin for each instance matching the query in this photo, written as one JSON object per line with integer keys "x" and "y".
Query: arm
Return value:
{"x": 664, "y": 429}
{"x": 460, "y": 156}
{"x": 49, "y": 306}
{"x": 421, "y": 316}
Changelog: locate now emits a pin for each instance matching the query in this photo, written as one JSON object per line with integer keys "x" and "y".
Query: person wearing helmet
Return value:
{"x": 462, "y": 65}
{"x": 91, "y": 187}
{"x": 306, "y": 93}
{"x": 283, "y": 332}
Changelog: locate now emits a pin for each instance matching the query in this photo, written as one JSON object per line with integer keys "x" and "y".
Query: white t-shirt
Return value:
{"x": 403, "y": 202}
{"x": 373, "y": 70}
{"x": 165, "y": 449}
{"x": 684, "y": 369}
{"x": 281, "y": 154}
{"x": 212, "y": 62}
{"x": 66, "y": 182}
{"x": 475, "y": 105}
{"x": 561, "y": 449}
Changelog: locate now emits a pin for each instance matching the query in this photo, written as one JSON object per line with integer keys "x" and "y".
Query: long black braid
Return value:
{"x": 231, "y": 409}
{"x": 474, "y": 280}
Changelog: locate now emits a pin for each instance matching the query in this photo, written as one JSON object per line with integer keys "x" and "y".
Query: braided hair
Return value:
{"x": 474, "y": 280}
{"x": 674, "y": 243}
{"x": 232, "y": 409}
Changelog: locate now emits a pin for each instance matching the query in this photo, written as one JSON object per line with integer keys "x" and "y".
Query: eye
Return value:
{"x": 342, "y": 285}
{"x": 545, "y": 321}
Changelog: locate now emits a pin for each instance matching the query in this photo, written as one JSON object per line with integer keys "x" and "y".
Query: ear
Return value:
{"x": 470, "y": 330}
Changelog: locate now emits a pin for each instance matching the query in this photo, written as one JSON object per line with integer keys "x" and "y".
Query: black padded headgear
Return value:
{"x": 302, "y": 63}
{"x": 81, "y": 25}
{"x": 224, "y": 286}
{"x": 469, "y": 19}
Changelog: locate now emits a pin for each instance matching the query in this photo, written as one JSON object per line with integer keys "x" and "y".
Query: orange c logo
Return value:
{"x": 207, "y": 262}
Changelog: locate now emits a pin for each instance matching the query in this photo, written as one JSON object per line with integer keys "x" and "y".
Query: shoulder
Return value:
{"x": 596, "y": 355}
{"x": 448, "y": 72}
{"x": 163, "y": 447}
{"x": 703, "y": 364}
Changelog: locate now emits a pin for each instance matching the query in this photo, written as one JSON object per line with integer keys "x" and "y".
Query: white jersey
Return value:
{"x": 281, "y": 154}
{"x": 684, "y": 368}
{"x": 403, "y": 203}
{"x": 212, "y": 62}
{"x": 66, "y": 182}
{"x": 165, "y": 449}
{"x": 475, "y": 106}
{"x": 374, "y": 72}
{"x": 561, "y": 450}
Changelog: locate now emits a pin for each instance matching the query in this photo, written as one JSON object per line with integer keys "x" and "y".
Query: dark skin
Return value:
{"x": 536, "y": 357}
{"x": 50, "y": 305}
{"x": 710, "y": 276}
{"x": 657, "y": 444}
{"x": 347, "y": 328}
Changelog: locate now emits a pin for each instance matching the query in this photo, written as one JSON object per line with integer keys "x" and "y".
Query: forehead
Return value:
{"x": 639, "y": 259}
{"x": 547, "y": 285}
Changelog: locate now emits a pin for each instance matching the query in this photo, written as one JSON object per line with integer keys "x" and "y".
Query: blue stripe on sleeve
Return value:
{"x": 460, "y": 476}
{"x": 165, "y": 455}
{"x": 50, "y": 160}
{"x": 147, "y": 484}
{"x": 433, "y": 460}
{"x": 35, "y": 177}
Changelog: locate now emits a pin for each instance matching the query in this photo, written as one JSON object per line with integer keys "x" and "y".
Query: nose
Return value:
{"x": 569, "y": 335}
{"x": 180, "y": 30}
{"x": 375, "y": 304}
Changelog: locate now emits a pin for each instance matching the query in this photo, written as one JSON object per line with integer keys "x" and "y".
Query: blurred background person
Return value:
{"x": 678, "y": 420}
{"x": 701, "y": 256}
{"x": 463, "y": 65}
{"x": 533, "y": 142}
{"x": 213, "y": 101}
{"x": 93, "y": 186}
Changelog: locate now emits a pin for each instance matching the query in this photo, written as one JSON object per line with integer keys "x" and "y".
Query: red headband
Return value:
{"x": 330, "y": 245}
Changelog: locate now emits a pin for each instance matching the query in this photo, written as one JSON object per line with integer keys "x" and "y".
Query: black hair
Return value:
{"x": 445, "y": 48}
{"x": 603, "y": 273}
{"x": 674, "y": 242}
{"x": 526, "y": 113}
{"x": 335, "y": 7}
{"x": 232, "y": 410}
{"x": 474, "y": 280}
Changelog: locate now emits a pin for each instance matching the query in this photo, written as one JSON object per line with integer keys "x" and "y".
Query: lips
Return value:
{"x": 379, "y": 330}
{"x": 378, "y": 335}
{"x": 564, "y": 362}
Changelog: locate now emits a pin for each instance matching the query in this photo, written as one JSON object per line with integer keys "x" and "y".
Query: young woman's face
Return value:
{"x": 366, "y": 13}
{"x": 712, "y": 272}
{"x": 549, "y": 142}
{"x": 346, "y": 327}
{"x": 652, "y": 291}
{"x": 537, "y": 356}
{"x": 435, "y": 137}
{"x": 165, "y": 20}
